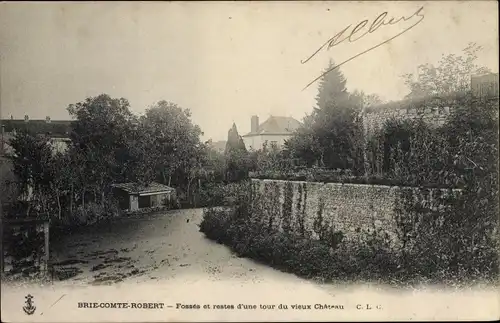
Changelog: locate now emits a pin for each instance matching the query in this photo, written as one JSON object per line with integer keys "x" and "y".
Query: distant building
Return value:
{"x": 57, "y": 130}
{"x": 485, "y": 85}
{"x": 274, "y": 131}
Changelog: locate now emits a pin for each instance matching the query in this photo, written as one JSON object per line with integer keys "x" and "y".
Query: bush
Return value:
{"x": 89, "y": 214}
{"x": 239, "y": 228}
{"x": 453, "y": 241}
{"x": 456, "y": 240}
{"x": 215, "y": 225}
{"x": 431, "y": 255}
{"x": 212, "y": 194}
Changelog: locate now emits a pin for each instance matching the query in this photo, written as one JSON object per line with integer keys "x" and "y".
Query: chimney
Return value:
{"x": 47, "y": 119}
{"x": 254, "y": 124}
{"x": 26, "y": 118}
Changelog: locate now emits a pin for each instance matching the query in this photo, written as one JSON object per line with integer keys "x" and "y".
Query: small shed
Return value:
{"x": 135, "y": 196}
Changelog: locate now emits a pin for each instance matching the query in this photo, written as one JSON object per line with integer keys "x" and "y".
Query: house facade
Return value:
{"x": 274, "y": 131}
{"x": 57, "y": 130}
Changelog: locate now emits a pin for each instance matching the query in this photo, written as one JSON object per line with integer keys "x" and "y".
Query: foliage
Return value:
{"x": 457, "y": 235}
{"x": 303, "y": 146}
{"x": 214, "y": 164}
{"x": 418, "y": 154}
{"x": 433, "y": 232}
{"x": 100, "y": 132}
{"x": 332, "y": 135}
{"x": 9, "y": 188}
{"x": 111, "y": 145}
{"x": 242, "y": 229}
{"x": 237, "y": 157}
{"x": 217, "y": 194}
{"x": 367, "y": 100}
{"x": 25, "y": 246}
{"x": 89, "y": 214}
{"x": 452, "y": 74}
{"x": 31, "y": 165}
{"x": 171, "y": 140}
{"x": 270, "y": 159}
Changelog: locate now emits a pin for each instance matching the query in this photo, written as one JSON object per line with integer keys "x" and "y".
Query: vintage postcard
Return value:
{"x": 249, "y": 161}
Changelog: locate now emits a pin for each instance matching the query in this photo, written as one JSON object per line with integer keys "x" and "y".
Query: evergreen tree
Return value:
{"x": 234, "y": 141}
{"x": 332, "y": 89}
{"x": 332, "y": 131}
{"x": 237, "y": 159}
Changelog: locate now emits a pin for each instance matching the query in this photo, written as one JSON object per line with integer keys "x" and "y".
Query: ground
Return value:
{"x": 149, "y": 247}
{"x": 164, "y": 258}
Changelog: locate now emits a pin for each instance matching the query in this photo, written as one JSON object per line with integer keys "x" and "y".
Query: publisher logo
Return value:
{"x": 29, "y": 308}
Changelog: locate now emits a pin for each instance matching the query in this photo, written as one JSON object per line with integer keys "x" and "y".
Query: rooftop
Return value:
{"x": 276, "y": 125}
{"x": 136, "y": 188}
{"x": 54, "y": 128}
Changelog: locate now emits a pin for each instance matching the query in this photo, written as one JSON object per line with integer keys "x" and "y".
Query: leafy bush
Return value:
{"x": 439, "y": 243}
{"x": 215, "y": 225}
{"x": 89, "y": 214}
{"x": 241, "y": 228}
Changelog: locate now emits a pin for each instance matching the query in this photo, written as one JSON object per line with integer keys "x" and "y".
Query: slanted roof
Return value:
{"x": 54, "y": 128}
{"x": 276, "y": 125}
{"x": 136, "y": 188}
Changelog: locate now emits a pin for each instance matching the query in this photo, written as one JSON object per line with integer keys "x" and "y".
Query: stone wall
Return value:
{"x": 354, "y": 209}
{"x": 433, "y": 115}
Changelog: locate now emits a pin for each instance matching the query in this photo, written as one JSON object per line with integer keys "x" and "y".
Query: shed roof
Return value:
{"x": 136, "y": 188}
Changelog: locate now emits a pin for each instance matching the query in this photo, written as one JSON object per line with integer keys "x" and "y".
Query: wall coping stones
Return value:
{"x": 357, "y": 185}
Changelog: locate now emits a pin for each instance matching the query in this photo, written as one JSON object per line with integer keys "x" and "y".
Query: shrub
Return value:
{"x": 215, "y": 225}
{"x": 89, "y": 214}
{"x": 431, "y": 252}
{"x": 456, "y": 239}
{"x": 239, "y": 228}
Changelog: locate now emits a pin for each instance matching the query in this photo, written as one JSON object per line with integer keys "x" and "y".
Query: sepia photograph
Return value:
{"x": 241, "y": 161}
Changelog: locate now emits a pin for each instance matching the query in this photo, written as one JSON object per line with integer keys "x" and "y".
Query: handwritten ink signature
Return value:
{"x": 351, "y": 37}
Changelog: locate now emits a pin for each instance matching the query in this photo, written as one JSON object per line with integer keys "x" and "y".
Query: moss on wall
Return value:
{"x": 326, "y": 211}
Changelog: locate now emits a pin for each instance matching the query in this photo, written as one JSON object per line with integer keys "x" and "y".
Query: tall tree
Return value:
{"x": 172, "y": 139}
{"x": 237, "y": 157}
{"x": 331, "y": 133}
{"x": 452, "y": 74}
{"x": 332, "y": 89}
{"x": 234, "y": 141}
{"x": 100, "y": 133}
{"x": 31, "y": 160}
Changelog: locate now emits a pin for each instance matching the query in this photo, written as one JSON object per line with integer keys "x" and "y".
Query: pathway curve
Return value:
{"x": 163, "y": 258}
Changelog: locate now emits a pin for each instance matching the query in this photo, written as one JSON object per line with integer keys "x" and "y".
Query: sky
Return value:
{"x": 225, "y": 61}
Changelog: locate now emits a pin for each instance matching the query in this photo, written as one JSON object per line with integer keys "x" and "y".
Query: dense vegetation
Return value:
{"x": 457, "y": 242}
{"x": 109, "y": 144}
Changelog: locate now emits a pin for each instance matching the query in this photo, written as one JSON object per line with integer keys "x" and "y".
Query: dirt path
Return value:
{"x": 155, "y": 247}
{"x": 165, "y": 259}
